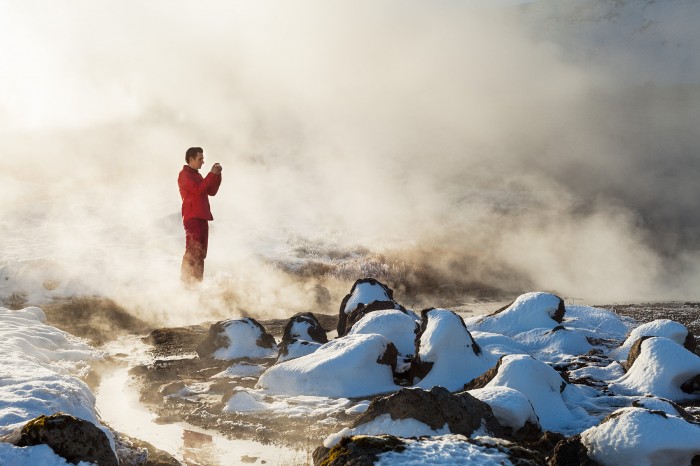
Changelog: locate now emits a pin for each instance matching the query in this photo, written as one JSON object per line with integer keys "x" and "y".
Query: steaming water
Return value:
{"x": 119, "y": 407}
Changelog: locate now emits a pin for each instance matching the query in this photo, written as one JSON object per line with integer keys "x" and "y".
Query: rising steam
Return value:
{"x": 448, "y": 146}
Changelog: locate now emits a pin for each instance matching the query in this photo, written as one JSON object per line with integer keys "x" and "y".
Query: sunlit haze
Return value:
{"x": 541, "y": 146}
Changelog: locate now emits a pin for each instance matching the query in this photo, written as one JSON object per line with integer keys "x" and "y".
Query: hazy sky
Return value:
{"x": 503, "y": 146}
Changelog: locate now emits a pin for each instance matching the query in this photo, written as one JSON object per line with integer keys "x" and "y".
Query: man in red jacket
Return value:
{"x": 195, "y": 191}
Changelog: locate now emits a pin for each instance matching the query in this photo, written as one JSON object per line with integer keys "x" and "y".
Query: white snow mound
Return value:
{"x": 660, "y": 369}
{"x": 456, "y": 357}
{"x": 656, "y": 328}
{"x": 543, "y": 386}
{"x": 529, "y": 311}
{"x": 344, "y": 367}
{"x": 398, "y": 327}
{"x": 638, "y": 437}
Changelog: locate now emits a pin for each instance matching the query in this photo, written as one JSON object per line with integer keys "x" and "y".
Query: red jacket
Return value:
{"x": 195, "y": 191}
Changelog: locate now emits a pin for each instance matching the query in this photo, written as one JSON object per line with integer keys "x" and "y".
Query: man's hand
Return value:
{"x": 216, "y": 168}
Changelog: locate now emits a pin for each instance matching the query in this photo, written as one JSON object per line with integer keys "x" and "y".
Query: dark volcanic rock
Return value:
{"x": 690, "y": 343}
{"x": 571, "y": 452}
{"x": 485, "y": 378}
{"x": 462, "y": 413}
{"x": 692, "y": 385}
{"x": 303, "y": 327}
{"x": 217, "y": 337}
{"x": 359, "y": 450}
{"x": 313, "y": 328}
{"x": 72, "y": 438}
{"x": 634, "y": 353}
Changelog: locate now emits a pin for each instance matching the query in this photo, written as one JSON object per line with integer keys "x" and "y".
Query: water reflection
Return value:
{"x": 119, "y": 406}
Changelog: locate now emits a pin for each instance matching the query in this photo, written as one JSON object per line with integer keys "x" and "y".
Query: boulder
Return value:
{"x": 351, "y": 366}
{"x": 529, "y": 311}
{"x": 571, "y": 451}
{"x": 661, "y": 367}
{"x": 437, "y": 407}
{"x": 446, "y": 353}
{"x": 70, "y": 437}
{"x": 364, "y": 291}
{"x": 238, "y": 338}
{"x": 304, "y": 326}
{"x": 302, "y": 335}
{"x": 634, "y": 352}
{"x": 657, "y": 328}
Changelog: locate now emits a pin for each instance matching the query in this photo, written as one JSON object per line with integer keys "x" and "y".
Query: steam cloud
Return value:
{"x": 480, "y": 144}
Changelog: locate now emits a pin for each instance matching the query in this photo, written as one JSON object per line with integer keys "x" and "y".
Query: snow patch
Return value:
{"x": 384, "y": 424}
{"x": 448, "y": 450}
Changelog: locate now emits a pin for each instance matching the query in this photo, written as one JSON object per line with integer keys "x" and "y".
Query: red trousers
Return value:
{"x": 196, "y": 242}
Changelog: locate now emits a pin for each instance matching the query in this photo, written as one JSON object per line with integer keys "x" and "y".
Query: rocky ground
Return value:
{"x": 177, "y": 366}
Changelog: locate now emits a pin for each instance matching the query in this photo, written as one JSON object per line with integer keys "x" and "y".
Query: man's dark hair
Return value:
{"x": 192, "y": 153}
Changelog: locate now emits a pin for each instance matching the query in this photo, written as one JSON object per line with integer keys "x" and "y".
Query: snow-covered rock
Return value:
{"x": 304, "y": 326}
{"x": 661, "y": 369}
{"x": 413, "y": 412}
{"x": 639, "y": 437}
{"x": 656, "y": 328}
{"x": 448, "y": 352}
{"x": 543, "y": 387}
{"x": 351, "y": 366}
{"x": 529, "y": 311}
{"x": 398, "y": 327}
{"x": 364, "y": 292}
{"x": 238, "y": 338}
{"x": 302, "y": 335}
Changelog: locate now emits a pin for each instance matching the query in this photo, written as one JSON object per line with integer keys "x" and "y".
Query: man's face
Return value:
{"x": 197, "y": 161}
